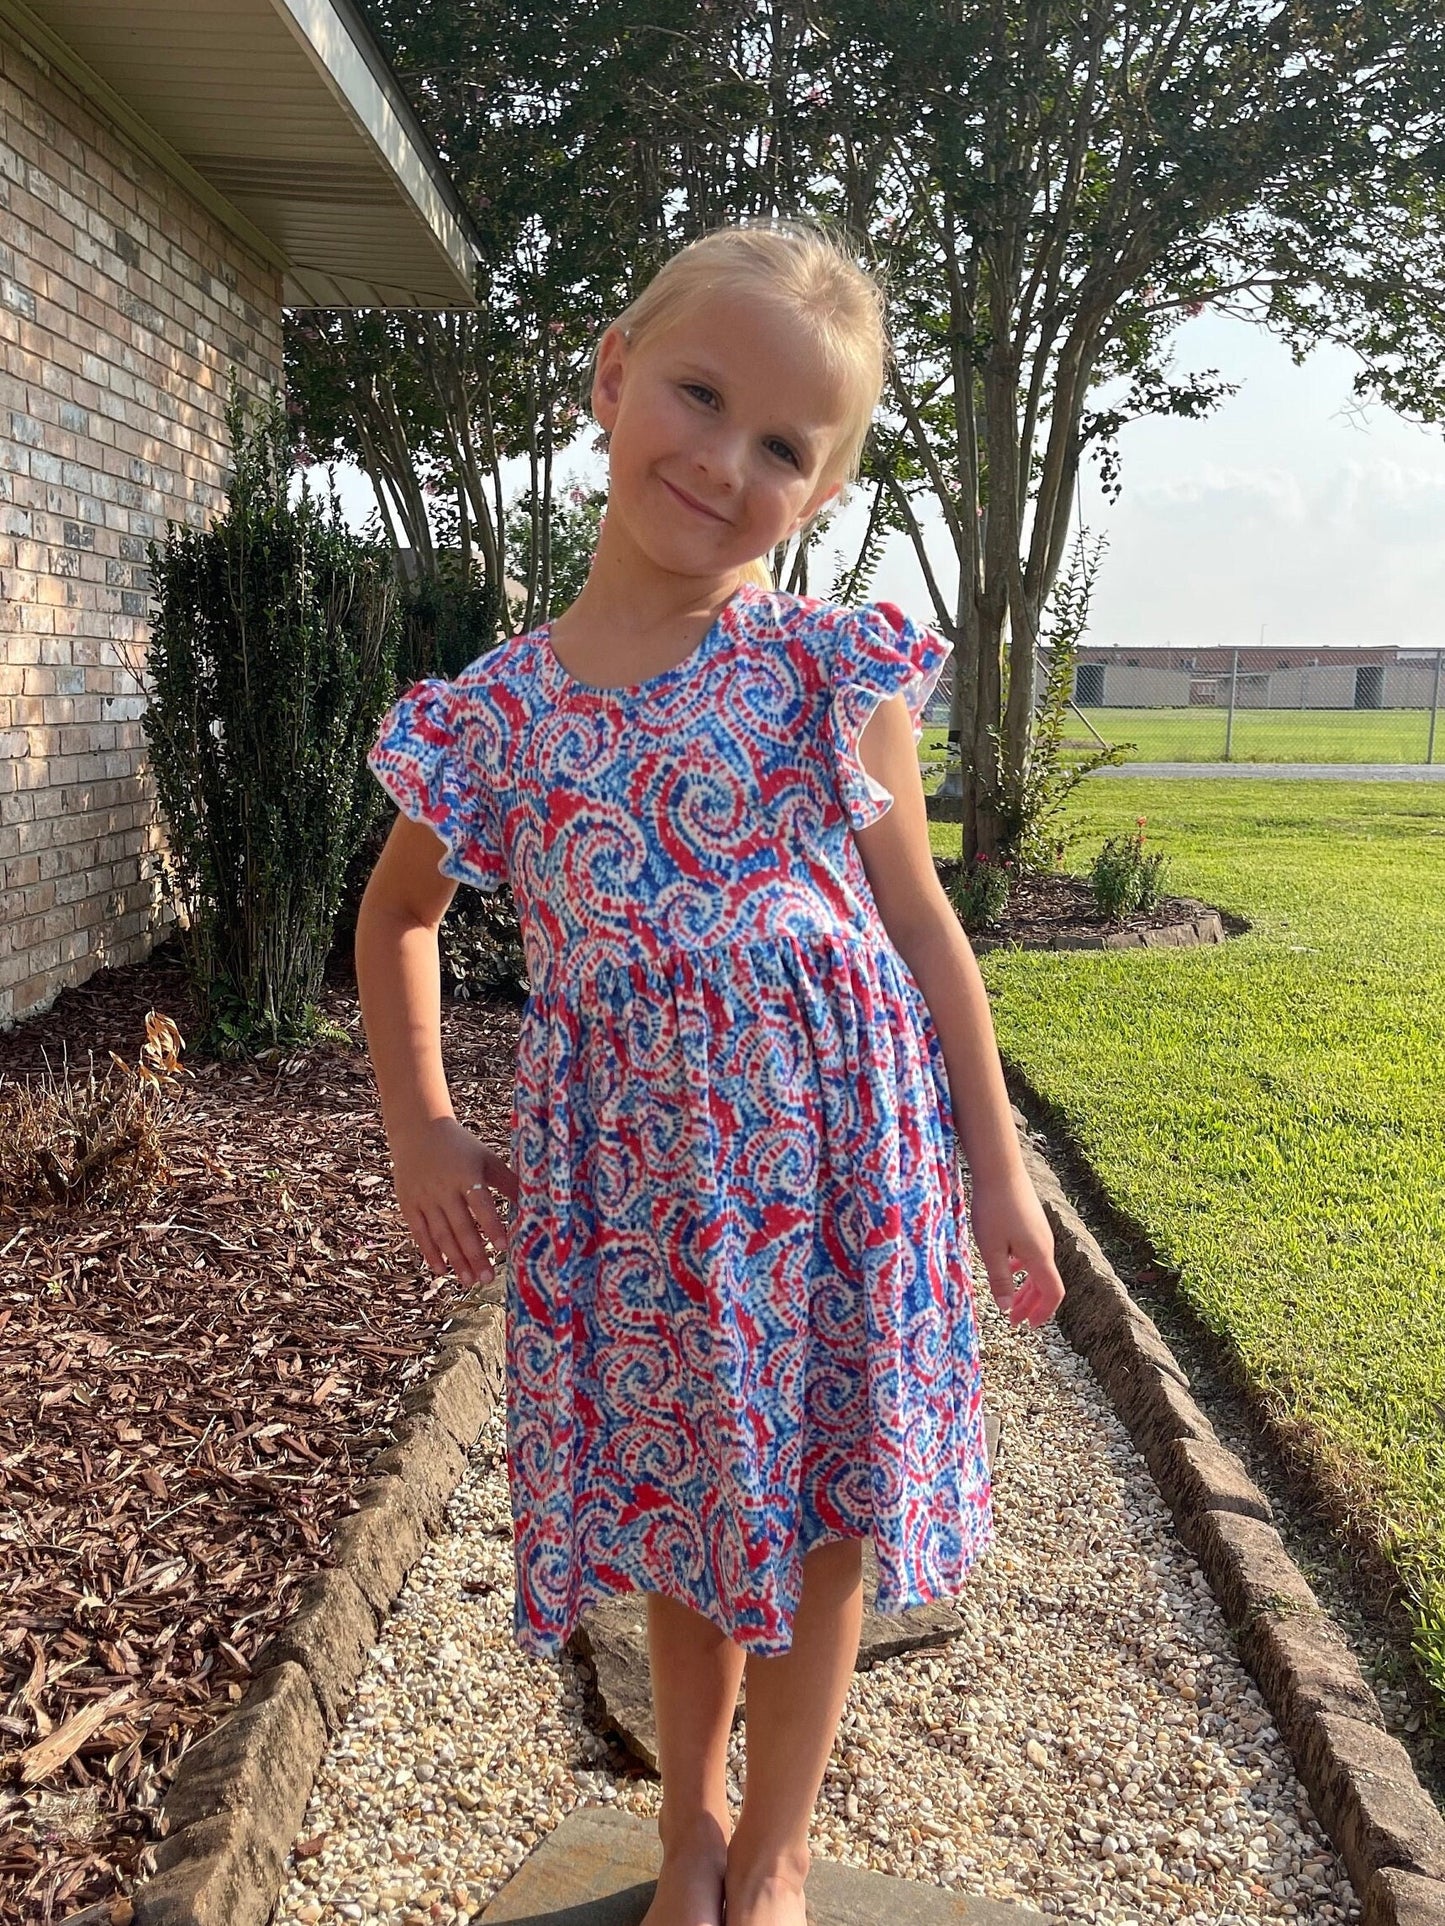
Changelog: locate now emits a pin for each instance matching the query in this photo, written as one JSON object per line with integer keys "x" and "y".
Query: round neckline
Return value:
{"x": 617, "y": 691}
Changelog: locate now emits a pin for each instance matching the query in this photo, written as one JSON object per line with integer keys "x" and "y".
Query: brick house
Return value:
{"x": 171, "y": 177}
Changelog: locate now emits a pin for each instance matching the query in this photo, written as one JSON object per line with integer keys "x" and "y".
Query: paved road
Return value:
{"x": 1323, "y": 771}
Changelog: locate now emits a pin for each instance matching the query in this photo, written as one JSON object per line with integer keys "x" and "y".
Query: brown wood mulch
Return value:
{"x": 190, "y": 1393}
{"x": 1042, "y": 907}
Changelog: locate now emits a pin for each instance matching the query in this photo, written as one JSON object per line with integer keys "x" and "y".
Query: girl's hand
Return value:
{"x": 444, "y": 1179}
{"x": 1013, "y": 1236}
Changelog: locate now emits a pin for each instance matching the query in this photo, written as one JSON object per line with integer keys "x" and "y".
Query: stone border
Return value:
{"x": 240, "y": 1792}
{"x": 1207, "y": 927}
{"x": 1360, "y": 1780}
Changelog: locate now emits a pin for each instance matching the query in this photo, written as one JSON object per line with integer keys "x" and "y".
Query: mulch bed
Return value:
{"x": 1043, "y": 907}
{"x": 190, "y": 1394}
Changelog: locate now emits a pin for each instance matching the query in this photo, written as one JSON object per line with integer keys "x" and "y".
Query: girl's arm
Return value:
{"x": 1009, "y": 1225}
{"x": 398, "y": 974}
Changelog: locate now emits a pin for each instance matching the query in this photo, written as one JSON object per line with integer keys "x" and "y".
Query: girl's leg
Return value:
{"x": 696, "y": 1671}
{"x": 794, "y": 1704}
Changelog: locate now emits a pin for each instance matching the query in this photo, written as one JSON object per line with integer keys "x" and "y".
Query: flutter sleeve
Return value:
{"x": 428, "y": 757}
{"x": 879, "y": 653}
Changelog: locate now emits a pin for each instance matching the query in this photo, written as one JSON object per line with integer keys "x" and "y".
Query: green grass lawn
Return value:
{"x": 1265, "y": 735}
{"x": 1272, "y": 1112}
{"x": 1260, "y": 735}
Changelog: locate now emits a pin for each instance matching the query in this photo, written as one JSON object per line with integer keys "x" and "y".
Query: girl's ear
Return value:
{"x": 607, "y": 377}
{"x": 816, "y": 506}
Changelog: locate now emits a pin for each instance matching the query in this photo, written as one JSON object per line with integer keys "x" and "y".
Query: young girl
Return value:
{"x": 741, "y": 1329}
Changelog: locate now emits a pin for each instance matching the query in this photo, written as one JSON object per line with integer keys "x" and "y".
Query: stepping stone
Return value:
{"x": 598, "y": 1868}
{"x": 612, "y": 1638}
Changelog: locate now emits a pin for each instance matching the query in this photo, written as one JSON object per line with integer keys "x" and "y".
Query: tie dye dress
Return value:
{"x": 740, "y": 1319}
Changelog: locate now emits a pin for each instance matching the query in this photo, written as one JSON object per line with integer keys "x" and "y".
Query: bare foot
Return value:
{"x": 690, "y": 1885}
{"x": 772, "y": 1898}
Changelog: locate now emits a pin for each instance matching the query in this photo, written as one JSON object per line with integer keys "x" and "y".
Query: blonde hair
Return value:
{"x": 806, "y": 269}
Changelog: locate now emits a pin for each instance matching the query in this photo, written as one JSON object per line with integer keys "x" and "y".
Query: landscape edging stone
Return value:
{"x": 238, "y": 1796}
{"x": 240, "y": 1792}
{"x": 428, "y": 1461}
{"x": 379, "y": 1543}
{"x": 1186, "y": 934}
{"x": 1310, "y": 1669}
{"x": 1360, "y": 1780}
{"x": 1206, "y": 1475}
{"x": 457, "y": 1396}
{"x": 1369, "y": 1789}
{"x": 1245, "y": 1560}
{"x": 328, "y": 1636}
{"x": 1397, "y": 1898}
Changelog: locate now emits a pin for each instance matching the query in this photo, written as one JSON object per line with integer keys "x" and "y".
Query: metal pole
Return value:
{"x": 1229, "y": 725}
{"x": 1087, "y": 724}
{"x": 1435, "y": 705}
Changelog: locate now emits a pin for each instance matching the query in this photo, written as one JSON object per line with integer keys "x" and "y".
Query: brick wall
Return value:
{"x": 123, "y": 304}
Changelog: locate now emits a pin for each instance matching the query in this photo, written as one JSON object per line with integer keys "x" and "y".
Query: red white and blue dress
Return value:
{"x": 740, "y": 1315}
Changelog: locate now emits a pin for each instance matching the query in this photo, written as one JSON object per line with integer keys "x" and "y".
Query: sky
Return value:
{"x": 1290, "y": 510}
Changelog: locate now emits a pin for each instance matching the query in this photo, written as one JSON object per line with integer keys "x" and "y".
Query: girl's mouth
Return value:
{"x": 688, "y": 502}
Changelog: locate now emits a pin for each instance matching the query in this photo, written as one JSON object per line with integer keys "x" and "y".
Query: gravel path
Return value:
{"x": 1089, "y": 1746}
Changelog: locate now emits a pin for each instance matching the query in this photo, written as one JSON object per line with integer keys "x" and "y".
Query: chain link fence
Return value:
{"x": 1233, "y": 707}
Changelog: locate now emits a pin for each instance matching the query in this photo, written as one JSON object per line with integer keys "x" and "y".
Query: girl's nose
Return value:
{"x": 721, "y": 461}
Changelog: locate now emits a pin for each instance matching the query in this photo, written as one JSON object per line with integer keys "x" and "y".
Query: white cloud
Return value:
{"x": 1291, "y": 509}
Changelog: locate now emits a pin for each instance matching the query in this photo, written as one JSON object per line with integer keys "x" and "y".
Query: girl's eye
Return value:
{"x": 780, "y": 448}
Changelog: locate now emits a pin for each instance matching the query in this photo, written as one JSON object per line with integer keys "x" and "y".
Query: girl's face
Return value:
{"x": 718, "y": 428}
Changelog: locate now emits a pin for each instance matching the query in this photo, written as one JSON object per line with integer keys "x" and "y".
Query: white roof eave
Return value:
{"x": 284, "y": 119}
{"x": 374, "y": 109}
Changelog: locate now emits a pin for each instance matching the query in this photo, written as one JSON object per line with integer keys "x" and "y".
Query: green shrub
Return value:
{"x": 272, "y": 658}
{"x": 1124, "y": 879}
{"x": 481, "y": 946}
{"x": 980, "y": 893}
{"x": 445, "y": 625}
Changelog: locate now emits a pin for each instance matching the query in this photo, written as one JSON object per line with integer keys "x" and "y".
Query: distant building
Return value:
{"x": 1383, "y": 677}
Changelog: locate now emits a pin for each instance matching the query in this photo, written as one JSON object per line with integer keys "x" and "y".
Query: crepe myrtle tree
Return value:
{"x": 1050, "y": 188}
{"x": 1062, "y": 185}
{"x": 431, "y": 405}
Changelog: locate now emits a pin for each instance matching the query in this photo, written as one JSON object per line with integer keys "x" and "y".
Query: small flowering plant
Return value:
{"x": 980, "y": 895}
{"x": 1124, "y": 878}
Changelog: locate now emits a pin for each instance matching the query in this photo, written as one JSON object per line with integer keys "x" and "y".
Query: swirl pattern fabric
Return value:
{"x": 740, "y": 1315}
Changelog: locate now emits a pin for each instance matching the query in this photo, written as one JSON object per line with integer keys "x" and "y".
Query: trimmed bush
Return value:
{"x": 273, "y": 656}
